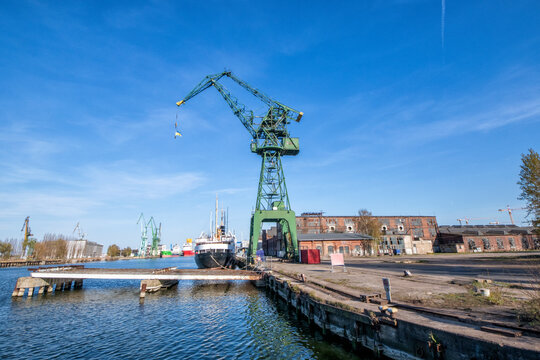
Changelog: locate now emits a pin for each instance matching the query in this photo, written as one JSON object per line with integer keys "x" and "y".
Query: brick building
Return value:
{"x": 405, "y": 244}
{"x": 418, "y": 227}
{"x": 486, "y": 238}
{"x": 349, "y": 244}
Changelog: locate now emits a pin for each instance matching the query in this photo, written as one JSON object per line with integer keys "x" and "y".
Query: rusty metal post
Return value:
{"x": 142, "y": 295}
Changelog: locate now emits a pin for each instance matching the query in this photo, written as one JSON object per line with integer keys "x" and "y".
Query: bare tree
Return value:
{"x": 5, "y": 249}
{"x": 367, "y": 224}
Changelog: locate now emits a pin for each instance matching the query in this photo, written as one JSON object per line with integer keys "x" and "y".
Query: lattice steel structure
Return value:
{"x": 270, "y": 140}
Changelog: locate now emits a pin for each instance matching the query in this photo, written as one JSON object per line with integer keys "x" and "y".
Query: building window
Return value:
{"x": 472, "y": 244}
{"x": 512, "y": 242}
{"x": 319, "y": 248}
{"x": 341, "y": 250}
{"x": 384, "y": 228}
{"x": 349, "y": 228}
{"x": 500, "y": 244}
{"x": 486, "y": 243}
{"x": 357, "y": 249}
{"x": 524, "y": 243}
{"x": 330, "y": 250}
{"x": 346, "y": 250}
{"x": 332, "y": 228}
{"x": 400, "y": 228}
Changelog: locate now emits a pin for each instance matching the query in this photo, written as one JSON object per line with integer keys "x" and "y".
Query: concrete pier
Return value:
{"x": 30, "y": 283}
{"x": 363, "y": 320}
{"x": 63, "y": 278}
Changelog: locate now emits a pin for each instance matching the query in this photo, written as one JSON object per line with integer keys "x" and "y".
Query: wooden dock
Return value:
{"x": 60, "y": 278}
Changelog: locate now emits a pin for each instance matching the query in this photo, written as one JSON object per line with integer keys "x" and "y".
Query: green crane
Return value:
{"x": 270, "y": 140}
{"x": 156, "y": 235}
{"x": 144, "y": 235}
{"x": 27, "y": 242}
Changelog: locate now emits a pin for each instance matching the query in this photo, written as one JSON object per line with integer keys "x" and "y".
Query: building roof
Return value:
{"x": 333, "y": 236}
{"x": 313, "y": 214}
{"x": 485, "y": 229}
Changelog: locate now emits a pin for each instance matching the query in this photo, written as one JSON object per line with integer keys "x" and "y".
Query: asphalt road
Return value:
{"x": 503, "y": 267}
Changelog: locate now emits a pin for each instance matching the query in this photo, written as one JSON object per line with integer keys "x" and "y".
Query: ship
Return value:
{"x": 216, "y": 250}
{"x": 187, "y": 249}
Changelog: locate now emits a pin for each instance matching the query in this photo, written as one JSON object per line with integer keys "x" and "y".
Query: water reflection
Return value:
{"x": 195, "y": 320}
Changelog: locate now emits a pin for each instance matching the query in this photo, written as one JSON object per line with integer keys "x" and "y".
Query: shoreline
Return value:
{"x": 25, "y": 263}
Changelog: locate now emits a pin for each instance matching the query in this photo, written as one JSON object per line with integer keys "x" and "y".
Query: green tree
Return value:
{"x": 529, "y": 183}
{"x": 5, "y": 249}
{"x": 113, "y": 250}
{"x": 126, "y": 252}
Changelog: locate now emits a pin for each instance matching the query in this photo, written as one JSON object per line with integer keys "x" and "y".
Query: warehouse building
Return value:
{"x": 486, "y": 238}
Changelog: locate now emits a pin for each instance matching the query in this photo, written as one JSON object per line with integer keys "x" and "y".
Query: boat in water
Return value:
{"x": 187, "y": 249}
{"x": 218, "y": 249}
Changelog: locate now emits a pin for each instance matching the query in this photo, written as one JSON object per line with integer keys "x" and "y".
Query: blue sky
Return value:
{"x": 409, "y": 110}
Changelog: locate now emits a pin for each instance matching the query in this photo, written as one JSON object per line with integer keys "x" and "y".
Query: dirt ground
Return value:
{"x": 443, "y": 281}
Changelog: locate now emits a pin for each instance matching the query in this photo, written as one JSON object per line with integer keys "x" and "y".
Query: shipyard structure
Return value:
{"x": 398, "y": 235}
{"x": 79, "y": 249}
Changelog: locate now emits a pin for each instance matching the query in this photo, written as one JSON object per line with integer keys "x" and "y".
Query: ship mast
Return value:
{"x": 216, "y": 223}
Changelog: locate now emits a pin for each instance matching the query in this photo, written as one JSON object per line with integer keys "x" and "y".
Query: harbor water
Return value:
{"x": 196, "y": 320}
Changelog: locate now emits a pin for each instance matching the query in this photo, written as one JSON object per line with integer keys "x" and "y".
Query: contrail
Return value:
{"x": 443, "y": 10}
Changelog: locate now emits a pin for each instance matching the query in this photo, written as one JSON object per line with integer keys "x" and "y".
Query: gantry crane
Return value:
{"x": 27, "y": 234}
{"x": 144, "y": 235}
{"x": 270, "y": 140}
{"x": 156, "y": 235}
{"x": 510, "y": 212}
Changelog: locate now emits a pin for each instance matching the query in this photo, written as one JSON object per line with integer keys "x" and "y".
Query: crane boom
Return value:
{"x": 245, "y": 115}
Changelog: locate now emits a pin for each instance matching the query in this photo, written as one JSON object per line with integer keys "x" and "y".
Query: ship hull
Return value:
{"x": 210, "y": 260}
{"x": 188, "y": 253}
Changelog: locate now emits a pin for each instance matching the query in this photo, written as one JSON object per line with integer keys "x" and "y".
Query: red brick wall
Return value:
{"x": 336, "y": 244}
{"x": 424, "y": 227}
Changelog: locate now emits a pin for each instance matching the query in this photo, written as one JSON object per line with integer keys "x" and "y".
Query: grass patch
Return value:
{"x": 529, "y": 310}
{"x": 337, "y": 281}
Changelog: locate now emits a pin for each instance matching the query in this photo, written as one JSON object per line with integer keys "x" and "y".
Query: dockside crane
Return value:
{"x": 271, "y": 141}
{"x": 81, "y": 233}
{"x": 144, "y": 235}
{"x": 27, "y": 234}
{"x": 469, "y": 219}
{"x": 510, "y": 212}
{"x": 156, "y": 235}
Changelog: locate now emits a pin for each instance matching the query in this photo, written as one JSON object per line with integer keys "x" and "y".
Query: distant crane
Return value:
{"x": 469, "y": 219}
{"x": 271, "y": 140}
{"x": 27, "y": 234}
{"x": 144, "y": 235}
{"x": 156, "y": 235}
{"x": 81, "y": 233}
{"x": 510, "y": 212}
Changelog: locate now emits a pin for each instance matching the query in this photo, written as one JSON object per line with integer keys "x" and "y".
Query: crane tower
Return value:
{"x": 156, "y": 235}
{"x": 27, "y": 234}
{"x": 271, "y": 141}
{"x": 144, "y": 235}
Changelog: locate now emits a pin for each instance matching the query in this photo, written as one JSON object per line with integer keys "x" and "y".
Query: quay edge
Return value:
{"x": 407, "y": 336}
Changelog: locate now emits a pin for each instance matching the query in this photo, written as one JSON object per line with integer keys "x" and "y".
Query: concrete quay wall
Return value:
{"x": 393, "y": 337}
